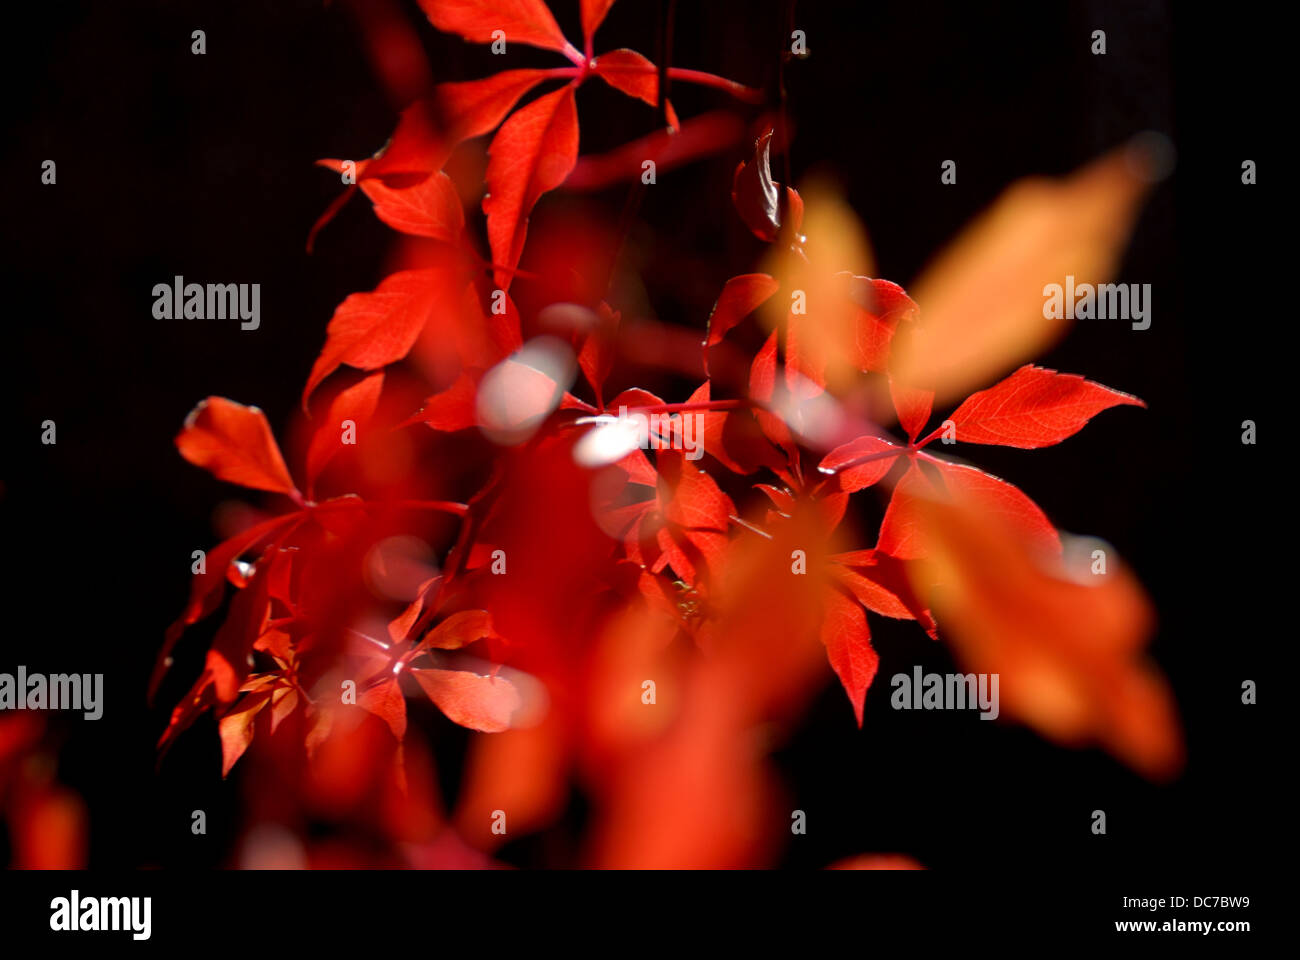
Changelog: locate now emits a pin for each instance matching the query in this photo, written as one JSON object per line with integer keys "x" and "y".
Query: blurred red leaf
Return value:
{"x": 356, "y": 404}
{"x": 905, "y": 533}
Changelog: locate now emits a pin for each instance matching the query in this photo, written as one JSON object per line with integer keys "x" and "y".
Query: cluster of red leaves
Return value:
{"x": 578, "y": 565}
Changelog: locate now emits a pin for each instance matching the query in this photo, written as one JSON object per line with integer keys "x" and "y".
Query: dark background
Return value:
{"x": 172, "y": 163}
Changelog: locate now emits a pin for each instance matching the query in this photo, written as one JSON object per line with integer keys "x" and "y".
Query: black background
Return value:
{"x": 170, "y": 163}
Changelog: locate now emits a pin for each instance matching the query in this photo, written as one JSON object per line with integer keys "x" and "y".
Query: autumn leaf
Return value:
{"x": 740, "y": 297}
{"x": 235, "y": 444}
{"x": 385, "y": 701}
{"x": 454, "y": 408}
{"x": 236, "y": 727}
{"x": 593, "y": 15}
{"x": 907, "y": 533}
{"x": 1034, "y": 407}
{"x": 913, "y": 407}
{"x": 1067, "y": 645}
{"x": 597, "y": 355}
{"x": 477, "y": 702}
{"x": 206, "y": 587}
{"x": 755, "y": 194}
{"x": 522, "y": 21}
{"x": 848, "y": 647}
{"x": 460, "y": 630}
{"x": 354, "y": 405}
{"x": 861, "y": 463}
{"x": 430, "y": 208}
{"x": 532, "y": 153}
{"x": 983, "y": 296}
{"x": 372, "y": 330}
{"x": 537, "y": 146}
{"x": 631, "y": 73}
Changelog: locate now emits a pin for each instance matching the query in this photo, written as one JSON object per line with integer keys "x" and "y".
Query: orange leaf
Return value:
{"x": 1066, "y": 645}
{"x": 983, "y": 299}
{"x": 473, "y": 701}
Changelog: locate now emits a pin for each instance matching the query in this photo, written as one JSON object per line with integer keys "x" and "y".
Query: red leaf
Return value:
{"x": 756, "y": 196}
{"x": 236, "y": 727}
{"x": 229, "y": 659}
{"x": 473, "y": 701}
{"x": 630, "y": 72}
{"x": 372, "y": 330}
{"x": 762, "y": 372}
{"x": 848, "y": 647}
{"x": 429, "y": 129}
{"x": 472, "y": 108}
{"x": 1034, "y": 407}
{"x": 782, "y": 500}
{"x": 854, "y": 478}
{"x": 454, "y": 408}
{"x": 284, "y": 700}
{"x": 903, "y": 532}
{"x": 400, "y": 627}
{"x": 880, "y": 306}
{"x": 697, "y": 513}
{"x": 913, "y": 406}
{"x": 522, "y": 21}
{"x": 596, "y": 359}
{"x": 386, "y": 702}
{"x": 735, "y": 439}
{"x": 880, "y": 584}
{"x": 205, "y": 589}
{"x": 430, "y": 208}
{"x": 416, "y": 148}
{"x": 357, "y": 403}
{"x": 740, "y": 297}
{"x": 460, "y": 630}
{"x": 532, "y": 153}
{"x": 762, "y": 388}
{"x": 754, "y": 193}
{"x": 235, "y": 444}
{"x": 593, "y": 14}
{"x": 635, "y": 397}
{"x": 805, "y": 355}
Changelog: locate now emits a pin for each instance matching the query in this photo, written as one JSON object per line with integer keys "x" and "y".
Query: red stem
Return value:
{"x": 574, "y": 54}
{"x": 928, "y": 437}
{"x": 737, "y": 90}
{"x": 446, "y": 506}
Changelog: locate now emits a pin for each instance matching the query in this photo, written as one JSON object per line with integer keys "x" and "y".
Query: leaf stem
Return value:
{"x": 749, "y": 526}
{"x": 574, "y": 54}
{"x": 737, "y": 90}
